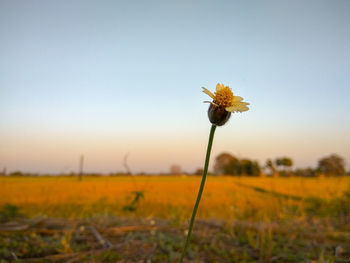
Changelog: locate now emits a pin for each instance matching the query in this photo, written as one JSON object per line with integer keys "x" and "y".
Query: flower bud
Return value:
{"x": 218, "y": 115}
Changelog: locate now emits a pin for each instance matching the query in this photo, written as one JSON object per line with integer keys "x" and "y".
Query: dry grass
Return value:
{"x": 168, "y": 197}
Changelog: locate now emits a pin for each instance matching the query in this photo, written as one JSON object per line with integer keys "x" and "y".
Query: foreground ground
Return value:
{"x": 114, "y": 239}
{"x": 131, "y": 219}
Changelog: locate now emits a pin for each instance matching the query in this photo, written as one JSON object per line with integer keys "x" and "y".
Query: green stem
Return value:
{"x": 210, "y": 143}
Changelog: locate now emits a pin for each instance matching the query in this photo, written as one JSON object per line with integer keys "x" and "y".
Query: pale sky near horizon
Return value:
{"x": 107, "y": 78}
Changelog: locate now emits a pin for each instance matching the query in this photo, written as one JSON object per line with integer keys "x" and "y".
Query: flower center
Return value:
{"x": 224, "y": 97}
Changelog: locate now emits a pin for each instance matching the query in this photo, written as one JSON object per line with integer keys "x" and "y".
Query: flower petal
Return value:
{"x": 237, "y": 99}
{"x": 239, "y": 107}
{"x": 208, "y": 93}
{"x": 211, "y": 102}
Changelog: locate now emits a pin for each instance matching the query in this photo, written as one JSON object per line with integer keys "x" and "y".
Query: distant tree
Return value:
{"x": 306, "y": 172}
{"x": 223, "y": 163}
{"x": 249, "y": 167}
{"x": 287, "y": 162}
{"x": 233, "y": 167}
{"x": 199, "y": 171}
{"x": 270, "y": 165}
{"x": 284, "y": 162}
{"x": 332, "y": 165}
{"x": 17, "y": 173}
{"x": 175, "y": 169}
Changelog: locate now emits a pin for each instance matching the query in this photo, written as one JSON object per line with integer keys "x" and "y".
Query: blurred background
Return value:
{"x": 91, "y": 88}
{"x": 108, "y": 79}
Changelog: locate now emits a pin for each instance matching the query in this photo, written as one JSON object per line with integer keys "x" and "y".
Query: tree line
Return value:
{"x": 226, "y": 163}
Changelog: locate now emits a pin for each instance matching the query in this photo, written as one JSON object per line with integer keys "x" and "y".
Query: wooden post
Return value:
{"x": 81, "y": 167}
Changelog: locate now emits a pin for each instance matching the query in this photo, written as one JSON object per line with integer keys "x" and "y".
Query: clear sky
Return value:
{"x": 107, "y": 78}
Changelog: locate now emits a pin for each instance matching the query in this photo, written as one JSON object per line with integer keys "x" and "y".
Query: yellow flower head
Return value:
{"x": 223, "y": 97}
{"x": 223, "y": 104}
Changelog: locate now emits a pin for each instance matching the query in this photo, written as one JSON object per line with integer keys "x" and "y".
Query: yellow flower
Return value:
{"x": 223, "y": 104}
{"x": 223, "y": 98}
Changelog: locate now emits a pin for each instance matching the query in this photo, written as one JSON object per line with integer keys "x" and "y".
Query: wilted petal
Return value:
{"x": 208, "y": 93}
{"x": 211, "y": 102}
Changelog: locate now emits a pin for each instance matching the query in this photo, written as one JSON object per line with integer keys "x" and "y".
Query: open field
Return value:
{"x": 170, "y": 197}
{"x": 240, "y": 219}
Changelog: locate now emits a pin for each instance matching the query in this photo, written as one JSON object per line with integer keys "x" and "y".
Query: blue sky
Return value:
{"x": 107, "y": 78}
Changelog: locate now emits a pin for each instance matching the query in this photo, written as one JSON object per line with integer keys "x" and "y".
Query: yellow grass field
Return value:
{"x": 170, "y": 197}
{"x": 240, "y": 219}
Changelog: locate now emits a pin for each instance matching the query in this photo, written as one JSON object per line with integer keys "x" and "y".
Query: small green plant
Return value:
{"x": 138, "y": 195}
{"x": 169, "y": 247}
{"x": 9, "y": 212}
{"x": 108, "y": 256}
